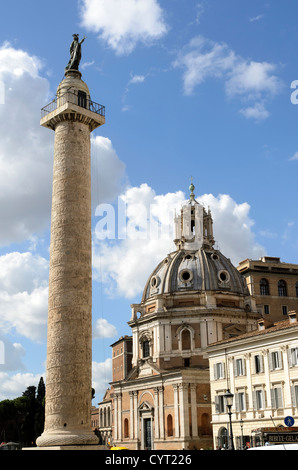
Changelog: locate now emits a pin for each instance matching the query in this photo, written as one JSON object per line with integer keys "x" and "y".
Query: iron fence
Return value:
{"x": 77, "y": 99}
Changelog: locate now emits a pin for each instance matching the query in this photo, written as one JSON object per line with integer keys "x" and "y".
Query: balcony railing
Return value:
{"x": 79, "y": 99}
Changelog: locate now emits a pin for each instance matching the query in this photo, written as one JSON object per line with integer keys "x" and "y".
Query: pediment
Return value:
{"x": 233, "y": 330}
{"x": 145, "y": 406}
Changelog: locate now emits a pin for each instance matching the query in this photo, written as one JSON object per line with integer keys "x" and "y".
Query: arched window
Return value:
{"x": 126, "y": 428}
{"x": 186, "y": 339}
{"x": 146, "y": 348}
{"x": 170, "y": 425}
{"x": 264, "y": 287}
{"x": 282, "y": 288}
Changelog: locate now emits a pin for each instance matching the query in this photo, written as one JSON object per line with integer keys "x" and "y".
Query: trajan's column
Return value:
{"x": 73, "y": 116}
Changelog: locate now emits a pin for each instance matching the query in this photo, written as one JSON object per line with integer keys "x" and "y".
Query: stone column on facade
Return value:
{"x": 115, "y": 401}
{"x": 161, "y": 413}
{"x": 249, "y": 381}
{"x": 287, "y": 386}
{"x": 136, "y": 418}
{"x": 267, "y": 375}
{"x": 156, "y": 413}
{"x": 176, "y": 409}
{"x": 131, "y": 416}
{"x": 194, "y": 411}
{"x": 184, "y": 410}
{"x": 119, "y": 417}
{"x": 69, "y": 342}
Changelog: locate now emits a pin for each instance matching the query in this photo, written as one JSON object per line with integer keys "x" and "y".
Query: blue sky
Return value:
{"x": 192, "y": 88}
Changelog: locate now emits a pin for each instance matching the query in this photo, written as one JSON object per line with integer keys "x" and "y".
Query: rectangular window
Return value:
{"x": 219, "y": 371}
{"x": 266, "y": 309}
{"x": 294, "y": 357}
{"x": 186, "y": 362}
{"x": 258, "y": 363}
{"x": 220, "y": 404}
{"x": 240, "y": 402}
{"x": 284, "y": 310}
{"x": 275, "y": 360}
{"x": 294, "y": 392}
{"x": 276, "y": 397}
{"x": 239, "y": 367}
{"x": 259, "y": 401}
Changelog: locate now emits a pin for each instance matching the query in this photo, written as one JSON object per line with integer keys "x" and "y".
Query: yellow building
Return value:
{"x": 260, "y": 369}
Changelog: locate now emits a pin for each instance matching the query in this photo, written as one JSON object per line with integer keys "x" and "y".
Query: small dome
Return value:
{"x": 200, "y": 270}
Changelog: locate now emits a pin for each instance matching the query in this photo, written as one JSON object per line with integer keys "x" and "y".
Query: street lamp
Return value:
{"x": 229, "y": 402}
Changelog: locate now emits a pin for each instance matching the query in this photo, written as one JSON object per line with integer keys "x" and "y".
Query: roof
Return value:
{"x": 205, "y": 269}
{"x": 274, "y": 328}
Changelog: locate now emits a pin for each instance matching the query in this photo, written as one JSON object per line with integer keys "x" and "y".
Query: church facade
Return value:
{"x": 194, "y": 298}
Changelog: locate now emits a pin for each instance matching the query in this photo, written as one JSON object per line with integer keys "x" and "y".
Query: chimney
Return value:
{"x": 292, "y": 316}
{"x": 264, "y": 324}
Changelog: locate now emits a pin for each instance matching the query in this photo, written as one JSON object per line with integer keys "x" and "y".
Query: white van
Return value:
{"x": 276, "y": 447}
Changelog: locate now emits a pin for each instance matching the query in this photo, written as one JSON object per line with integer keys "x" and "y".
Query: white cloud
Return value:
{"x": 13, "y": 386}
{"x": 122, "y": 25}
{"x": 257, "y": 112}
{"x": 123, "y": 266}
{"x": 250, "y": 81}
{"x": 233, "y": 227}
{"x": 136, "y": 79}
{"x": 256, "y": 18}
{"x": 11, "y": 355}
{"x": 24, "y": 295}
{"x": 26, "y": 149}
{"x": 104, "y": 329}
{"x": 108, "y": 171}
{"x": 294, "y": 157}
{"x": 26, "y": 161}
{"x": 101, "y": 375}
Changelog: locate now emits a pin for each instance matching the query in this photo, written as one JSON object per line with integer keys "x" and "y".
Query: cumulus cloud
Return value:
{"x": 26, "y": 149}
{"x": 101, "y": 375}
{"x": 122, "y": 27}
{"x": 108, "y": 171}
{"x": 294, "y": 157}
{"x": 24, "y": 295}
{"x": 12, "y": 386}
{"x": 250, "y": 81}
{"x": 233, "y": 227}
{"x": 124, "y": 260}
{"x": 11, "y": 355}
{"x": 104, "y": 329}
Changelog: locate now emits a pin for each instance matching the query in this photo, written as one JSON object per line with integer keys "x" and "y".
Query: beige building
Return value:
{"x": 193, "y": 298}
{"x": 261, "y": 370}
{"x": 273, "y": 284}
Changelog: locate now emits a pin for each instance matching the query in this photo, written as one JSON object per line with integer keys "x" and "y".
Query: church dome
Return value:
{"x": 200, "y": 270}
{"x": 196, "y": 265}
